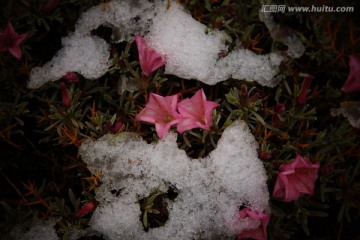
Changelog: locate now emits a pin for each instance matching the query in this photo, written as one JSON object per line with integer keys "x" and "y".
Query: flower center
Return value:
{"x": 168, "y": 118}
{"x": 9, "y": 42}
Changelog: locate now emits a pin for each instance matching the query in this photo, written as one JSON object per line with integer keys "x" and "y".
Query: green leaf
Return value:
{"x": 258, "y": 117}
{"x": 74, "y": 201}
{"x": 208, "y": 5}
{"x": 154, "y": 211}
{"x": 233, "y": 97}
{"x": 321, "y": 135}
{"x": 145, "y": 219}
{"x": 317, "y": 213}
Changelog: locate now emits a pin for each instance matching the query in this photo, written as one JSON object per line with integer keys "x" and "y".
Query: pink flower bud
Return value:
{"x": 304, "y": 88}
{"x": 71, "y": 77}
{"x": 149, "y": 59}
{"x": 65, "y": 96}
{"x": 87, "y": 208}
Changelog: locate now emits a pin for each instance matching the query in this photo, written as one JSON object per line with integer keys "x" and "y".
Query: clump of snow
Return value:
{"x": 191, "y": 50}
{"x": 284, "y": 35}
{"x": 210, "y": 190}
{"x": 245, "y": 64}
{"x": 88, "y": 56}
{"x": 127, "y": 84}
{"x": 350, "y": 110}
{"x": 127, "y": 18}
{"x": 34, "y": 229}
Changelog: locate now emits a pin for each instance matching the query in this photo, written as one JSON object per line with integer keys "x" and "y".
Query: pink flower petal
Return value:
{"x": 149, "y": 59}
{"x": 352, "y": 83}
{"x": 295, "y": 179}
{"x": 196, "y": 112}
{"x": 160, "y": 111}
{"x": 301, "y": 183}
{"x": 186, "y": 124}
{"x": 162, "y": 129}
{"x": 16, "y": 52}
{"x": 258, "y": 233}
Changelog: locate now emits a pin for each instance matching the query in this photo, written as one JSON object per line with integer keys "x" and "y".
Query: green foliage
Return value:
{"x": 12, "y": 216}
{"x": 153, "y": 207}
{"x": 40, "y": 135}
{"x": 147, "y": 208}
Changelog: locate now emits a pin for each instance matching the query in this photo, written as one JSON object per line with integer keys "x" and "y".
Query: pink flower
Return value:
{"x": 160, "y": 111}
{"x": 295, "y": 179}
{"x": 196, "y": 112}
{"x": 65, "y": 96}
{"x": 149, "y": 59}
{"x": 304, "y": 88}
{"x": 352, "y": 83}
{"x": 87, "y": 208}
{"x": 259, "y": 232}
{"x": 10, "y": 41}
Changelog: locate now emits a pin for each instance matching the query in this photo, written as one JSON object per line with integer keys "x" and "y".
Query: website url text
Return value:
{"x": 315, "y": 9}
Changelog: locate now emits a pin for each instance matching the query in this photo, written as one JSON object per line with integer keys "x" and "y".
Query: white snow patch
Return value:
{"x": 210, "y": 190}
{"x": 34, "y": 229}
{"x": 192, "y": 50}
{"x": 284, "y": 35}
{"x": 127, "y": 18}
{"x": 88, "y": 56}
